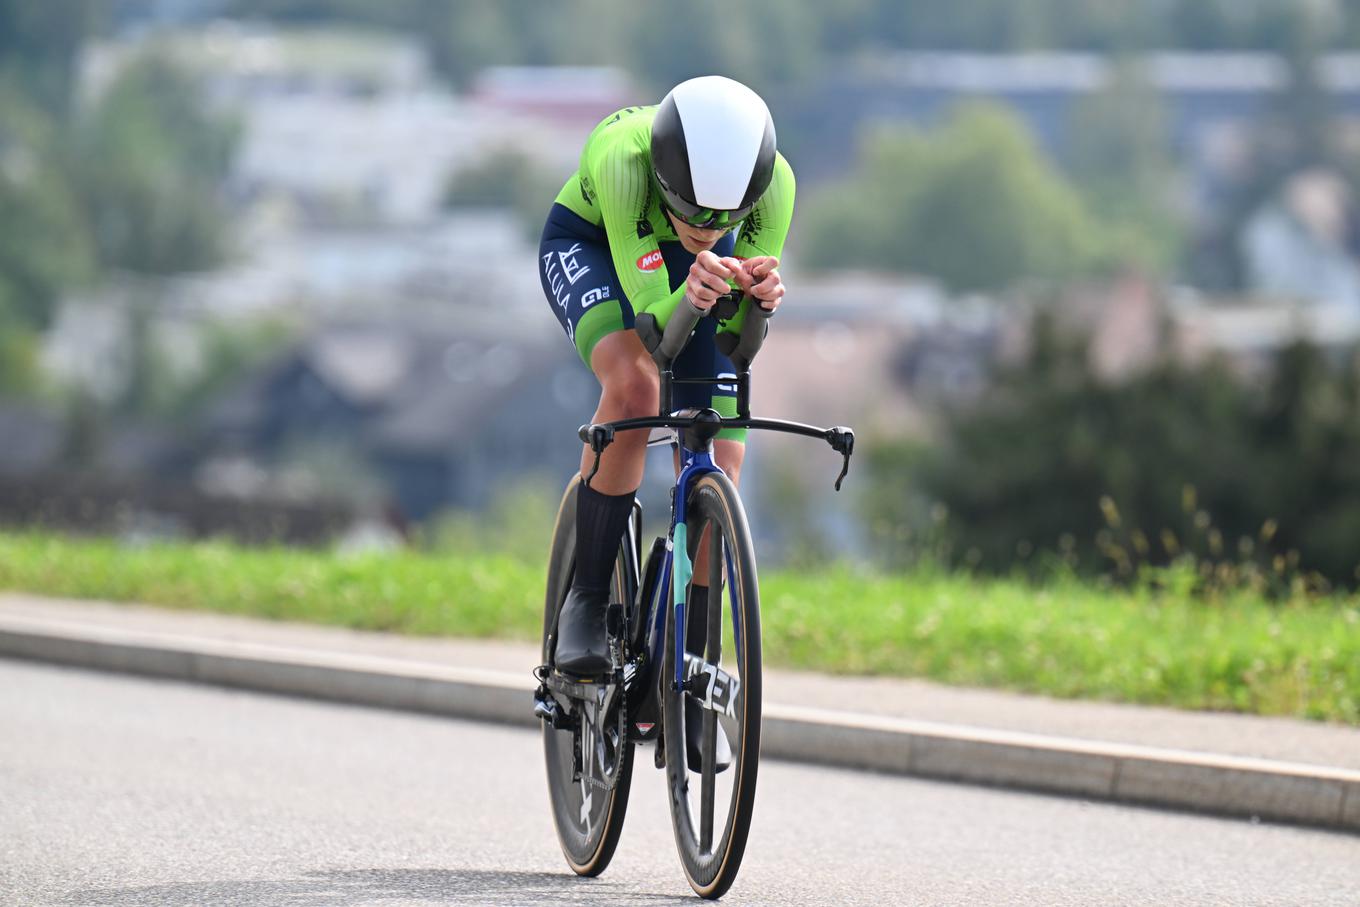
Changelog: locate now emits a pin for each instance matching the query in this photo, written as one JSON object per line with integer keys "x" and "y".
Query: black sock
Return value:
{"x": 600, "y": 523}
{"x": 696, "y": 620}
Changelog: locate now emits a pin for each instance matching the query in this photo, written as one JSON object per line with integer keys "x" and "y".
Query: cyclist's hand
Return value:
{"x": 760, "y": 278}
{"x": 707, "y": 280}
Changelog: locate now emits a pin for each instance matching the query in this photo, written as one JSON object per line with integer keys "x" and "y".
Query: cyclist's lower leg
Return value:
{"x": 603, "y": 509}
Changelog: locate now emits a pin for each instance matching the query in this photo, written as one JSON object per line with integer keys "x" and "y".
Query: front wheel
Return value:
{"x": 711, "y": 804}
{"x": 588, "y": 819}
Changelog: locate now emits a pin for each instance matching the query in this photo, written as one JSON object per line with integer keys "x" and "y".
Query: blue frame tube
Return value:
{"x": 694, "y": 465}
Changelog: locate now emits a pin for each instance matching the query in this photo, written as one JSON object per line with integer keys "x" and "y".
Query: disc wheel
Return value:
{"x": 711, "y": 808}
{"x": 588, "y": 820}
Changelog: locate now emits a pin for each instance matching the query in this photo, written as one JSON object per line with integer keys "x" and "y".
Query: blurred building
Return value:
{"x": 1212, "y": 100}
{"x": 1301, "y": 245}
{"x": 430, "y": 415}
{"x": 354, "y": 126}
{"x": 571, "y": 95}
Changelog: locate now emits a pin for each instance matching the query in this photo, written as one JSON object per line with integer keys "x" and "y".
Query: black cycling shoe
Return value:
{"x": 582, "y": 645}
{"x": 694, "y": 734}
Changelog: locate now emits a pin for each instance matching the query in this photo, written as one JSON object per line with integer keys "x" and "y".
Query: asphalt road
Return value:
{"x": 121, "y": 791}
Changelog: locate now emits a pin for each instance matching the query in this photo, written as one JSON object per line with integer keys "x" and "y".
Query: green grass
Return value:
{"x": 1066, "y": 638}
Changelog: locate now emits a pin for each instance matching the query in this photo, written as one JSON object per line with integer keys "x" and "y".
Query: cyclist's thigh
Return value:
{"x": 578, "y": 280}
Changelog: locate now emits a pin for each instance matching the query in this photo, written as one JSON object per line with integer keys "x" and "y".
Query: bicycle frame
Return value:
{"x": 700, "y": 428}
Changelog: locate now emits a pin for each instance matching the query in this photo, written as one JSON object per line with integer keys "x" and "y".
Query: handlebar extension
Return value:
{"x": 666, "y": 345}
{"x": 742, "y": 348}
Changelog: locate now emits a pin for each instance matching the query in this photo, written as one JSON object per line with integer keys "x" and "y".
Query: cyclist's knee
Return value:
{"x": 627, "y": 375}
{"x": 635, "y": 390}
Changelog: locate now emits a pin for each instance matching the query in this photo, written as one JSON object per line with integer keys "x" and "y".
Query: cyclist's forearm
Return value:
{"x": 664, "y": 307}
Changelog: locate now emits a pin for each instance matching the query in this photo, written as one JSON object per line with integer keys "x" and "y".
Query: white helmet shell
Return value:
{"x": 713, "y": 144}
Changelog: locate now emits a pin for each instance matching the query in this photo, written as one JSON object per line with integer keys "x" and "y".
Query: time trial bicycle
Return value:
{"x": 592, "y": 724}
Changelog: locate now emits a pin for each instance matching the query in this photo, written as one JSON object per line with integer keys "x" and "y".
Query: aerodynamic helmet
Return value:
{"x": 712, "y": 150}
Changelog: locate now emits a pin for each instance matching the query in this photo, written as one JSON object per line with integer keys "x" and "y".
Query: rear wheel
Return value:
{"x": 589, "y": 819}
{"x": 711, "y": 806}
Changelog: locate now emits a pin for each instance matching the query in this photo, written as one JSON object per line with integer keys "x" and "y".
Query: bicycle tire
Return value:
{"x": 587, "y": 843}
{"x": 713, "y": 500}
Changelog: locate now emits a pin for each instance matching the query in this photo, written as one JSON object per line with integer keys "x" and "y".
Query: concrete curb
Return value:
{"x": 1229, "y": 785}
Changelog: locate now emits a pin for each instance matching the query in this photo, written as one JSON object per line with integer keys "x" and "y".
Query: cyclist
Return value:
{"x": 671, "y": 201}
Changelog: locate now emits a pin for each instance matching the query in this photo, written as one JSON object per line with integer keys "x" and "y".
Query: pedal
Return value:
{"x": 548, "y": 709}
{"x": 696, "y": 685}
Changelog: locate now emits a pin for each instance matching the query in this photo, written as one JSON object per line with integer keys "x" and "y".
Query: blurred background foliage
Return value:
{"x": 802, "y": 39}
{"x": 130, "y": 183}
{"x": 147, "y": 163}
{"x": 506, "y": 179}
{"x": 1051, "y": 463}
{"x": 1246, "y": 481}
{"x": 973, "y": 203}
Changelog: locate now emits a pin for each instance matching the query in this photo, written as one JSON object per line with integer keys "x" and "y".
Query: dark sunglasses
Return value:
{"x": 706, "y": 218}
{"x": 700, "y": 218}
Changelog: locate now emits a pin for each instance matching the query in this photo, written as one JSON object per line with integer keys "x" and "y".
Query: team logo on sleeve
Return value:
{"x": 650, "y": 262}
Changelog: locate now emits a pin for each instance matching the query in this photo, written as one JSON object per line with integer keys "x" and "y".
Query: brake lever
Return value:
{"x": 594, "y": 469}
{"x": 598, "y": 437}
{"x": 842, "y": 440}
{"x": 845, "y": 468}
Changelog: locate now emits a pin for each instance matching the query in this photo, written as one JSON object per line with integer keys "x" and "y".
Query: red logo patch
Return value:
{"x": 650, "y": 262}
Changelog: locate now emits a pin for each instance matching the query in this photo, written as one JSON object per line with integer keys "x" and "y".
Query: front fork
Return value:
{"x": 683, "y": 571}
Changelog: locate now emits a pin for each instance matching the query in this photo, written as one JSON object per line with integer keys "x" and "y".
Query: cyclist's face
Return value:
{"x": 693, "y": 239}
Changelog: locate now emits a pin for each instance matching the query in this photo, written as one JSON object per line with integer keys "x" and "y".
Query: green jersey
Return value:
{"x": 614, "y": 189}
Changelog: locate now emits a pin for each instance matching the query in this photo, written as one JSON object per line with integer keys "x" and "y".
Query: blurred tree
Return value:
{"x": 1031, "y": 461}
{"x": 1120, "y": 158}
{"x": 44, "y": 248}
{"x": 473, "y": 35}
{"x": 507, "y": 179}
{"x": 148, "y": 164}
{"x": 83, "y": 429}
{"x": 148, "y": 372}
{"x": 43, "y": 244}
{"x": 39, "y": 43}
{"x": 1208, "y": 24}
{"x": 973, "y": 204}
{"x": 494, "y": 181}
{"x": 18, "y": 360}
{"x": 1056, "y": 462}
